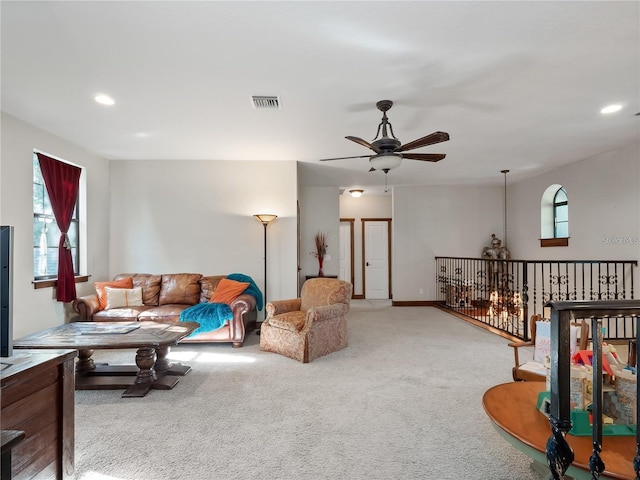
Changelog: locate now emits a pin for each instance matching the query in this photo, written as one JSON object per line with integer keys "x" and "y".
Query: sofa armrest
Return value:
{"x": 86, "y": 306}
{"x": 241, "y": 306}
{"x": 276, "y": 307}
{"x": 243, "y": 303}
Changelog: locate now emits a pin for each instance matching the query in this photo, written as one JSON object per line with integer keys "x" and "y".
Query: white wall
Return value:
{"x": 367, "y": 206}
{"x": 319, "y": 212}
{"x": 448, "y": 221}
{"x": 604, "y": 203}
{"x": 35, "y": 310}
{"x": 197, "y": 216}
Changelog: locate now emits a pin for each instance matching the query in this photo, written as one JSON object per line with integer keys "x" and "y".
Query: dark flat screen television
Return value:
{"x": 6, "y": 291}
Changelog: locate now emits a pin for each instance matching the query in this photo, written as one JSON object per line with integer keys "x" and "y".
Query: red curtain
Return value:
{"x": 63, "y": 182}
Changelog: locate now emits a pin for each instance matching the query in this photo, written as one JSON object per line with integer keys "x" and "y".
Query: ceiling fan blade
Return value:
{"x": 362, "y": 142}
{"x": 435, "y": 137}
{"x": 426, "y": 157}
{"x": 343, "y": 158}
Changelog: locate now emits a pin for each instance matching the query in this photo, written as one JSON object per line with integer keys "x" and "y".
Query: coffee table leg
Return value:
{"x": 85, "y": 362}
{"x": 145, "y": 360}
{"x": 164, "y": 366}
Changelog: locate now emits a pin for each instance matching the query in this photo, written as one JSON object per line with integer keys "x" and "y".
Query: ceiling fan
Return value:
{"x": 388, "y": 151}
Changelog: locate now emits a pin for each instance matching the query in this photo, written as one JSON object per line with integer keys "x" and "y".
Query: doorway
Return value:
{"x": 376, "y": 256}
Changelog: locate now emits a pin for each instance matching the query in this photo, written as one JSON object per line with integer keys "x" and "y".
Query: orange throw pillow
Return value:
{"x": 102, "y": 294}
{"x": 227, "y": 291}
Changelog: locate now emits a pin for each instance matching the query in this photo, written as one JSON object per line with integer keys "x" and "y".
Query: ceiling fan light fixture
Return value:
{"x": 386, "y": 161}
{"x": 356, "y": 193}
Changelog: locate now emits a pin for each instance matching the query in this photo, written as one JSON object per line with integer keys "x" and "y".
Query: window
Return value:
{"x": 560, "y": 214}
{"x": 554, "y": 217}
{"x": 46, "y": 233}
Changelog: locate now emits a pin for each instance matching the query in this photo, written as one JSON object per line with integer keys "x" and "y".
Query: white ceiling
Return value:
{"x": 517, "y": 85}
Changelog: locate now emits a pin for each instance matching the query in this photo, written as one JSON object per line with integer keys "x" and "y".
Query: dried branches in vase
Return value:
{"x": 321, "y": 250}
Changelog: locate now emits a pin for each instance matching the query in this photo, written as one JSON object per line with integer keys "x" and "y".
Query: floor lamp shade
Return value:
{"x": 265, "y": 219}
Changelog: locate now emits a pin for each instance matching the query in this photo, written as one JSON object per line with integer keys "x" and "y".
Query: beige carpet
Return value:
{"x": 403, "y": 401}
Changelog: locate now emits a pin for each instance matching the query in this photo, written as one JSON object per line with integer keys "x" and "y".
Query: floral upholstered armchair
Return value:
{"x": 311, "y": 326}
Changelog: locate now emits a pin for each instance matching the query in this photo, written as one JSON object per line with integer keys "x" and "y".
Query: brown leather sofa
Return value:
{"x": 165, "y": 296}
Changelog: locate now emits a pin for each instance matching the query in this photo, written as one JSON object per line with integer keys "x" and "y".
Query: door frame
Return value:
{"x": 363, "y": 221}
{"x": 351, "y": 248}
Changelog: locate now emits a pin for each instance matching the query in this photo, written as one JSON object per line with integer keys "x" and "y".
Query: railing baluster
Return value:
{"x": 542, "y": 297}
{"x": 535, "y": 288}
{"x": 596, "y": 465}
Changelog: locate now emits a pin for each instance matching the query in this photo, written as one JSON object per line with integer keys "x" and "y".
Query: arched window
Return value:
{"x": 560, "y": 214}
{"x": 554, "y": 217}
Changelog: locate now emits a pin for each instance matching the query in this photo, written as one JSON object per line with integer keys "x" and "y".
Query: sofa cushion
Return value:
{"x": 180, "y": 288}
{"x": 163, "y": 313}
{"x": 207, "y": 286}
{"x": 123, "y": 282}
{"x": 150, "y": 285}
{"x": 123, "y": 297}
{"x": 228, "y": 290}
{"x": 123, "y": 314}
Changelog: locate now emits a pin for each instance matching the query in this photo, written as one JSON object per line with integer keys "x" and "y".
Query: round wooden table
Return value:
{"x": 512, "y": 407}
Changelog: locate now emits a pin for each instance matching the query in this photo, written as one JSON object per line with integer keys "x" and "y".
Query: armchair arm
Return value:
{"x": 516, "y": 346}
{"x": 325, "y": 312}
{"x": 86, "y": 306}
{"x": 276, "y": 307}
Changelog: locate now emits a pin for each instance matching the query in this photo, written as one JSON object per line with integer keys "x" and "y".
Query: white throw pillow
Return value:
{"x": 123, "y": 297}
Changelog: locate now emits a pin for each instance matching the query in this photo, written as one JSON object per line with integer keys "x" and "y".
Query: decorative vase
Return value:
{"x": 320, "y": 272}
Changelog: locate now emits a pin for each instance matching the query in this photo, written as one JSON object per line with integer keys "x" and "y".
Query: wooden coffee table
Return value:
{"x": 153, "y": 341}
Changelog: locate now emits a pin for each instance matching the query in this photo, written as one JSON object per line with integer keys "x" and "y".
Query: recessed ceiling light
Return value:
{"x": 104, "y": 99}
{"x": 611, "y": 108}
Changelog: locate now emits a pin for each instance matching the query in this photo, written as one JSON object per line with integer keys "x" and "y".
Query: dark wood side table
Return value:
{"x": 38, "y": 399}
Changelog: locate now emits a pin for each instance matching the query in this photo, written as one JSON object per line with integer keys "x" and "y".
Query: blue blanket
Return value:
{"x": 212, "y": 316}
{"x": 252, "y": 289}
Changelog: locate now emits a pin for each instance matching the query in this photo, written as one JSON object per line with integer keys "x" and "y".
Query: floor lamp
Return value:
{"x": 265, "y": 219}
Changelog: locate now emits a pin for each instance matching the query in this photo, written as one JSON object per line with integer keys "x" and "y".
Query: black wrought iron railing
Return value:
{"x": 504, "y": 293}
{"x": 560, "y": 456}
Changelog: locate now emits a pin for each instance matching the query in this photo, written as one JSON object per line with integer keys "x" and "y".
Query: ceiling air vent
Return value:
{"x": 259, "y": 101}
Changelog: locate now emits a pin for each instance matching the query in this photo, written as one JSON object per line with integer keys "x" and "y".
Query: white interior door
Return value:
{"x": 345, "y": 252}
{"x": 376, "y": 260}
